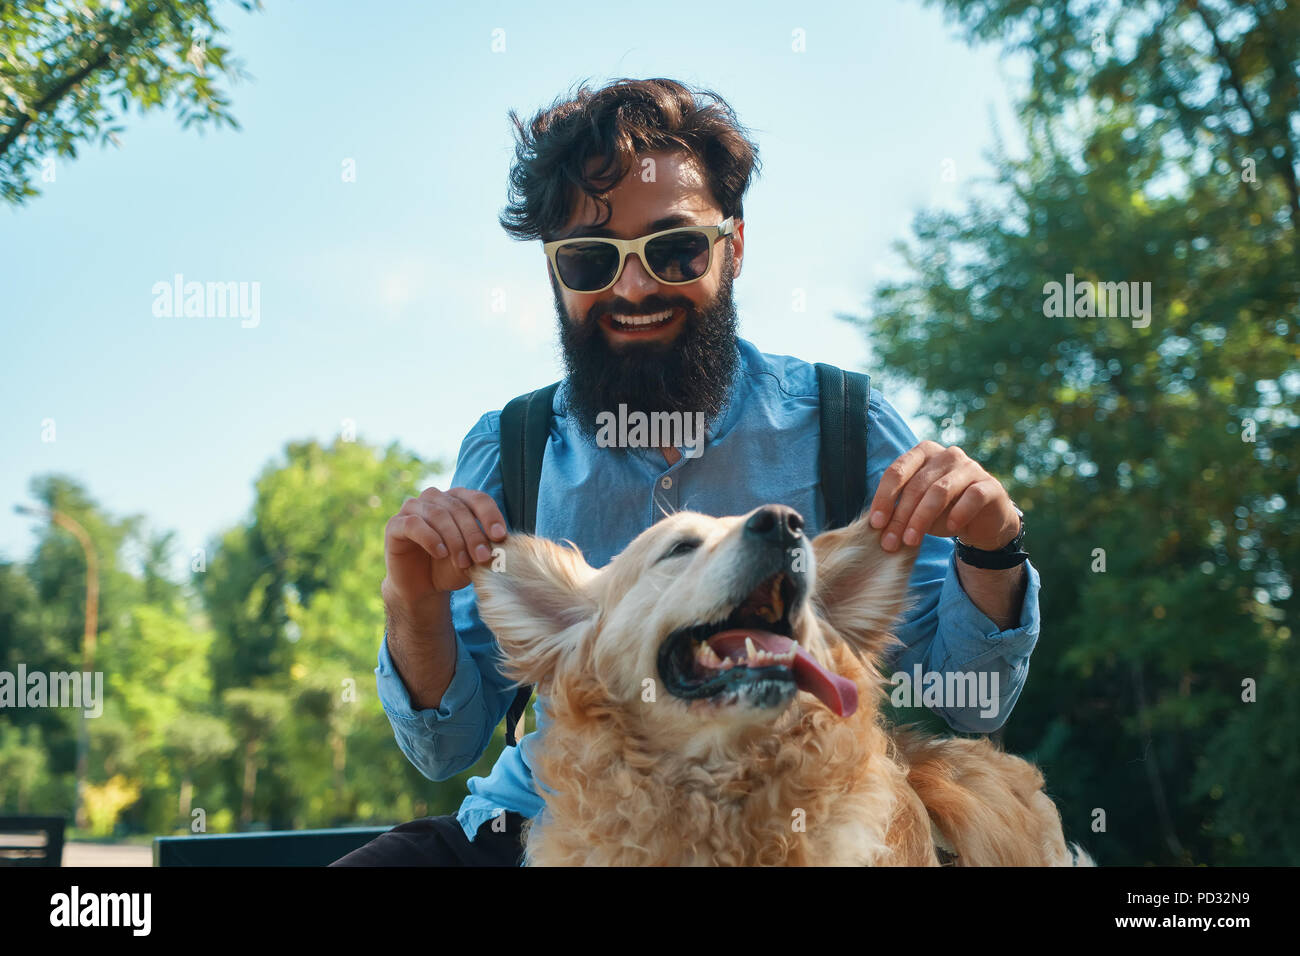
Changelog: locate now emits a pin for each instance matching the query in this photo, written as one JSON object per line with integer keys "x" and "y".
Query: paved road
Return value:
{"x": 106, "y": 854}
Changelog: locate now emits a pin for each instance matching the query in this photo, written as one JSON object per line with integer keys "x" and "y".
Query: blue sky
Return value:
{"x": 376, "y": 296}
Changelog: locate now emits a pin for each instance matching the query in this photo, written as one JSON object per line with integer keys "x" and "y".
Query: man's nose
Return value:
{"x": 776, "y": 524}
{"x": 635, "y": 282}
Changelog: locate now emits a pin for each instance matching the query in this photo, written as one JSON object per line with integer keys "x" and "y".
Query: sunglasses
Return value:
{"x": 673, "y": 257}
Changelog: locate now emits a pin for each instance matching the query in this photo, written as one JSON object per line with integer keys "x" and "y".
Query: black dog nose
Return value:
{"x": 775, "y": 523}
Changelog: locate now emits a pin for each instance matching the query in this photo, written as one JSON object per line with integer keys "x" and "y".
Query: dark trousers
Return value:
{"x": 439, "y": 841}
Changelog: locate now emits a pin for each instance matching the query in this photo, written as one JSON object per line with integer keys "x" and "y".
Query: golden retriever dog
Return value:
{"x": 713, "y": 698}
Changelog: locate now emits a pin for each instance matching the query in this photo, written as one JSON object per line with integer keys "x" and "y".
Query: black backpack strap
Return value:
{"x": 525, "y": 429}
{"x": 844, "y": 423}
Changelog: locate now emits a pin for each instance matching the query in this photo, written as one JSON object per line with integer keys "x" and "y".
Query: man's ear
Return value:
{"x": 861, "y": 589}
{"x": 533, "y": 596}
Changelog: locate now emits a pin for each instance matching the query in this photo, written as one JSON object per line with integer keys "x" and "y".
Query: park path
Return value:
{"x": 106, "y": 854}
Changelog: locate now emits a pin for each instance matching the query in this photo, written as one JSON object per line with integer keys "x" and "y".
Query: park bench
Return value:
{"x": 31, "y": 841}
{"x": 269, "y": 848}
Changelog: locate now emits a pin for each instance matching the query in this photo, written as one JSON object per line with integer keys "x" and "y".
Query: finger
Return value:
{"x": 477, "y": 546}
{"x": 412, "y": 527}
{"x": 429, "y": 509}
{"x": 449, "y": 529}
{"x": 937, "y": 499}
{"x": 973, "y": 500}
{"x": 485, "y": 510}
{"x": 946, "y": 467}
{"x": 894, "y": 479}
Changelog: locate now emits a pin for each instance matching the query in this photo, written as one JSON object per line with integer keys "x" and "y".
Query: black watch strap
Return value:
{"x": 1008, "y": 556}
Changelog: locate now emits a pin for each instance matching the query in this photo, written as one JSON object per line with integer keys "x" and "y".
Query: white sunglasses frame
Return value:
{"x": 629, "y": 246}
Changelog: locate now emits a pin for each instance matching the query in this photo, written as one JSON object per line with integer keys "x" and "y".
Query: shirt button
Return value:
{"x": 666, "y": 482}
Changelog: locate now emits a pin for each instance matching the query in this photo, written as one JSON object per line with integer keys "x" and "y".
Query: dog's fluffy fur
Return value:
{"x": 635, "y": 776}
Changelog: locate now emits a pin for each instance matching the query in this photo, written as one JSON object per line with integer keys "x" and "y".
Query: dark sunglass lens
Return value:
{"x": 679, "y": 257}
{"x": 586, "y": 266}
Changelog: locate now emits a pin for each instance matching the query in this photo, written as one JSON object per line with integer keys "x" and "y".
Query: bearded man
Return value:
{"x": 648, "y": 322}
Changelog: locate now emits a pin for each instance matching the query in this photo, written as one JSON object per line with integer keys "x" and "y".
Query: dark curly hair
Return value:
{"x": 616, "y": 123}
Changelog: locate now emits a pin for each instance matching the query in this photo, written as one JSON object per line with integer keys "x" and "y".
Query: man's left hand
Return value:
{"x": 941, "y": 491}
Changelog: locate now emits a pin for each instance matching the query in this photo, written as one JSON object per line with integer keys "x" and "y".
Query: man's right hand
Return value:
{"x": 429, "y": 546}
{"x": 433, "y": 541}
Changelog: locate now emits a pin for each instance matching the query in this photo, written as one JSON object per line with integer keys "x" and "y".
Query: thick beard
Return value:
{"x": 692, "y": 373}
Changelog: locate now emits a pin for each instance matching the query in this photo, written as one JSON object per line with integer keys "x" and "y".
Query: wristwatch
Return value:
{"x": 1007, "y": 556}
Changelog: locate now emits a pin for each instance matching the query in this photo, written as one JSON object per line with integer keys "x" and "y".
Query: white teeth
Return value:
{"x": 708, "y": 658}
{"x": 641, "y": 319}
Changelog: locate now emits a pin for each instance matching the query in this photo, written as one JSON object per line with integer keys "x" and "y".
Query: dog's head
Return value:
{"x": 724, "y": 620}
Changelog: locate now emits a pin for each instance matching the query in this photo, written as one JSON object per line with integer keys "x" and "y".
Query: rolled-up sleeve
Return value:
{"x": 943, "y": 631}
{"x": 444, "y": 740}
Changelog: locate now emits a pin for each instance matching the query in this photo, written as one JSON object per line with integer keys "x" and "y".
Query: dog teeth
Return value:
{"x": 708, "y": 658}
{"x": 765, "y": 658}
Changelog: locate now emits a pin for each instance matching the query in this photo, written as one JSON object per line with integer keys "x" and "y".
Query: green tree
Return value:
{"x": 1168, "y": 448}
{"x": 1215, "y": 82}
{"x": 255, "y": 714}
{"x": 42, "y": 617}
{"x": 293, "y": 596}
{"x": 24, "y": 768}
{"x": 193, "y": 743}
{"x": 70, "y": 71}
{"x": 152, "y": 650}
{"x": 247, "y": 690}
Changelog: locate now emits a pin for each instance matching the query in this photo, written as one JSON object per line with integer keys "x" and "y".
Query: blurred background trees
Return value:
{"x": 247, "y": 692}
{"x": 1161, "y": 149}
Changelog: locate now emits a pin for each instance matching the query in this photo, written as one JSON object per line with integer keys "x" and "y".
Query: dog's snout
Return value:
{"x": 775, "y": 523}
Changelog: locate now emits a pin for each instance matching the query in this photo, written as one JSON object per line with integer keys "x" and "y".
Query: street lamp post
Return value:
{"x": 88, "y": 636}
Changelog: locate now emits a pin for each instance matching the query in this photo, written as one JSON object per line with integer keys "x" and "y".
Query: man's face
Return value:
{"x": 685, "y": 363}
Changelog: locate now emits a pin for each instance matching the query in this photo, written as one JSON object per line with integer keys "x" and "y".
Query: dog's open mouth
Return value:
{"x": 751, "y": 657}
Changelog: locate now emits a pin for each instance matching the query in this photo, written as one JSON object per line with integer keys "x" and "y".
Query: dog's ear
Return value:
{"x": 861, "y": 589}
{"x": 534, "y": 598}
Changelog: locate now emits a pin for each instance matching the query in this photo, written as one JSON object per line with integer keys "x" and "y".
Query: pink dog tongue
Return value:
{"x": 838, "y": 693}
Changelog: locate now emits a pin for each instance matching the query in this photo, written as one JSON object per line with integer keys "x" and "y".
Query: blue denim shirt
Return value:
{"x": 763, "y": 448}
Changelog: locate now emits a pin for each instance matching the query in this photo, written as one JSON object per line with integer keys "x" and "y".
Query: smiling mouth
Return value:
{"x": 751, "y": 657}
{"x": 641, "y": 324}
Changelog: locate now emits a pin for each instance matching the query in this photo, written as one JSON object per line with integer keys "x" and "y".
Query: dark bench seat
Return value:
{"x": 271, "y": 848}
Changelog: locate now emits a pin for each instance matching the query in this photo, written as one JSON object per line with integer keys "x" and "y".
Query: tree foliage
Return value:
{"x": 1168, "y": 450}
{"x": 69, "y": 72}
{"x": 246, "y": 692}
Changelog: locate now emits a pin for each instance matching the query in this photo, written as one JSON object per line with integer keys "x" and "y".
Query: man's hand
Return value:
{"x": 431, "y": 543}
{"x": 941, "y": 491}
{"x": 428, "y": 547}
